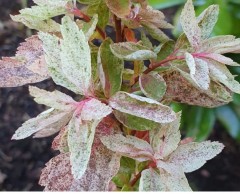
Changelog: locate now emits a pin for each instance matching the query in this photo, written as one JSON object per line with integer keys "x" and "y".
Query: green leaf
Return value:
{"x": 89, "y": 27}
{"x": 165, "y": 50}
{"x": 150, "y": 181}
{"x": 110, "y": 69}
{"x": 75, "y": 55}
{"x": 134, "y": 122}
{"x": 153, "y": 85}
{"x": 127, "y": 188}
{"x": 162, "y": 4}
{"x": 190, "y": 25}
{"x": 142, "y": 107}
{"x": 55, "y": 99}
{"x": 52, "y": 51}
{"x": 132, "y": 51}
{"x": 80, "y": 140}
{"x": 121, "y": 8}
{"x": 100, "y": 8}
{"x": 49, "y": 119}
{"x": 229, "y": 120}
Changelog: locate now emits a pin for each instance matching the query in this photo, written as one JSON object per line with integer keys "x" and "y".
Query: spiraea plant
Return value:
{"x": 122, "y": 134}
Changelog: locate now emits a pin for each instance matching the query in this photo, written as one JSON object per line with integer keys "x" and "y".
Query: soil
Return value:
{"x": 21, "y": 161}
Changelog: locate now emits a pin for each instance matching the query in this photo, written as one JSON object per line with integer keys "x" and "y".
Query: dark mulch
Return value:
{"x": 21, "y": 161}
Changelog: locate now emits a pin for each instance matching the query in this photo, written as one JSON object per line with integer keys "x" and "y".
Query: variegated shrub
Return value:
{"x": 122, "y": 134}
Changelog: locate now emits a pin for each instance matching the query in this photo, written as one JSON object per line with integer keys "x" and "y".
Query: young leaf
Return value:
{"x": 132, "y": 51}
{"x": 190, "y": 25}
{"x": 80, "y": 139}
{"x": 55, "y": 99}
{"x": 166, "y": 139}
{"x": 121, "y": 8}
{"x": 110, "y": 75}
{"x": 75, "y": 55}
{"x": 192, "y": 156}
{"x": 142, "y": 107}
{"x": 28, "y": 66}
{"x": 94, "y": 110}
{"x": 150, "y": 181}
{"x": 199, "y": 71}
{"x": 52, "y": 49}
{"x": 129, "y": 146}
{"x": 48, "y": 119}
{"x": 152, "y": 85}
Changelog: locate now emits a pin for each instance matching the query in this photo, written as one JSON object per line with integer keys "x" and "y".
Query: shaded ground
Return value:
{"x": 21, "y": 161}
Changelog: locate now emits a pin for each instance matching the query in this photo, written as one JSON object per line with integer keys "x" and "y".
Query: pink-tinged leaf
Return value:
{"x": 220, "y": 73}
{"x": 28, "y": 66}
{"x": 199, "y": 71}
{"x": 49, "y": 119}
{"x": 121, "y": 8}
{"x": 151, "y": 181}
{"x": 142, "y": 107}
{"x": 60, "y": 141}
{"x": 207, "y": 20}
{"x": 103, "y": 164}
{"x": 220, "y": 58}
{"x": 180, "y": 89}
{"x": 95, "y": 110}
{"x": 56, "y": 176}
{"x": 192, "y": 156}
{"x": 190, "y": 25}
{"x": 80, "y": 140}
{"x": 129, "y": 146}
{"x": 55, "y": 99}
{"x": 166, "y": 139}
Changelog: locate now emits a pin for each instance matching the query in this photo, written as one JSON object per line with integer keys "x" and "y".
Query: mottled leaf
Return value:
{"x": 47, "y": 119}
{"x": 60, "y": 141}
{"x": 132, "y": 51}
{"x": 89, "y": 27}
{"x": 75, "y": 55}
{"x": 129, "y": 146}
{"x": 193, "y": 155}
{"x": 207, "y": 20}
{"x": 165, "y": 139}
{"x": 142, "y": 107}
{"x": 94, "y": 110}
{"x": 190, "y": 25}
{"x": 55, "y": 99}
{"x": 152, "y": 85}
{"x": 28, "y": 66}
{"x": 199, "y": 71}
{"x": 220, "y": 58}
{"x": 110, "y": 69}
{"x": 150, "y": 181}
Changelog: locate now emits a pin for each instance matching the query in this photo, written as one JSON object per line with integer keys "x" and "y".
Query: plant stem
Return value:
{"x": 159, "y": 64}
{"x": 86, "y": 18}
{"x": 118, "y": 27}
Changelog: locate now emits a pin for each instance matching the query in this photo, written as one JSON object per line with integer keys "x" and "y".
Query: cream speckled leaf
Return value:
{"x": 47, "y": 119}
{"x": 95, "y": 110}
{"x": 166, "y": 139}
{"x": 150, "y": 181}
{"x": 220, "y": 72}
{"x": 192, "y": 156}
{"x": 207, "y": 20}
{"x": 55, "y": 99}
{"x": 60, "y": 141}
{"x": 129, "y": 146}
{"x": 190, "y": 25}
{"x": 28, "y": 66}
{"x": 142, "y": 107}
{"x": 75, "y": 55}
{"x": 52, "y": 49}
{"x": 132, "y": 51}
{"x": 199, "y": 71}
{"x": 54, "y": 3}
{"x": 80, "y": 139}
{"x": 220, "y": 58}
